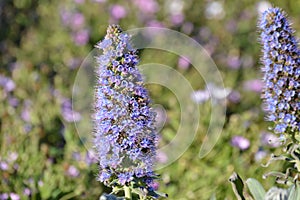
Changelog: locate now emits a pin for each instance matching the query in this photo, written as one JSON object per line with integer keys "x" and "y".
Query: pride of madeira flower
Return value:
{"x": 281, "y": 72}
{"x": 281, "y": 59}
{"x": 124, "y": 133}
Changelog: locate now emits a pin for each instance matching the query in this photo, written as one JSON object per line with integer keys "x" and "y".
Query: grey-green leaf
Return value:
{"x": 276, "y": 193}
{"x": 294, "y": 192}
{"x": 256, "y": 189}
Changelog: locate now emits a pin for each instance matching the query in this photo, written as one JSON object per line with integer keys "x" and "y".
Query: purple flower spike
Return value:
{"x": 281, "y": 71}
{"x": 125, "y": 138}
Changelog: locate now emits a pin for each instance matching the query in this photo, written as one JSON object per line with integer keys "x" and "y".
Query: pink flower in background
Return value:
{"x": 73, "y": 171}
{"x": 234, "y": 62}
{"x": 161, "y": 157}
{"x": 14, "y": 196}
{"x": 65, "y": 16}
{"x": 8, "y": 84}
{"x": 155, "y": 23}
{"x": 147, "y": 6}
{"x": 240, "y": 142}
{"x": 79, "y": 1}
{"x": 27, "y": 192}
{"x": 4, "y": 196}
{"x": 187, "y": 27}
{"x": 255, "y": 85}
{"x": 177, "y": 19}
{"x": 118, "y": 12}
{"x": 25, "y": 115}
{"x": 3, "y": 166}
{"x": 77, "y": 20}
{"x": 183, "y": 63}
{"x": 14, "y": 102}
{"x": 73, "y": 20}
{"x": 234, "y": 96}
{"x": 259, "y": 155}
{"x": 68, "y": 113}
{"x": 81, "y": 37}
{"x": 40, "y": 183}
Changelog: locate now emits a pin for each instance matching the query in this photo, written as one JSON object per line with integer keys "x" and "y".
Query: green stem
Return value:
{"x": 127, "y": 191}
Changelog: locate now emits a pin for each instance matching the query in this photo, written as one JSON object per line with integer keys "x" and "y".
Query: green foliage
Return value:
{"x": 258, "y": 192}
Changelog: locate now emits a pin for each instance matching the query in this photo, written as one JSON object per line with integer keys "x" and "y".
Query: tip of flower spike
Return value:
{"x": 272, "y": 16}
{"x": 114, "y": 29}
{"x": 272, "y": 12}
{"x": 116, "y": 42}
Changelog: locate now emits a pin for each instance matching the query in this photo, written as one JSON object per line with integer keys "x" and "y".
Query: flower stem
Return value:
{"x": 127, "y": 191}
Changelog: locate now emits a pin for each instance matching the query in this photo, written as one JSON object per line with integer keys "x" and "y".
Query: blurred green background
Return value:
{"x": 42, "y": 45}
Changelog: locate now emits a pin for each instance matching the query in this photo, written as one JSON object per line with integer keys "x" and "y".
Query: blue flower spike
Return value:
{"x": 281, "y": 93}
{"x": 124, "y": 133}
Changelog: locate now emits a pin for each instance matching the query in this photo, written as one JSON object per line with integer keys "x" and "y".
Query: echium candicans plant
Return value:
{"x": 281, "y": 77}
{"x": 281, "y": 60}
{"x": 281, "y": 72}
{"x": 125, "y": 138}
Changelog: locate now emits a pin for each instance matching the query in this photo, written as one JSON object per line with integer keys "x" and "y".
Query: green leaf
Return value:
{"x": 45, "y": 192}
{"x": 294, "y": 192}
{"x": 256, "y": 189}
